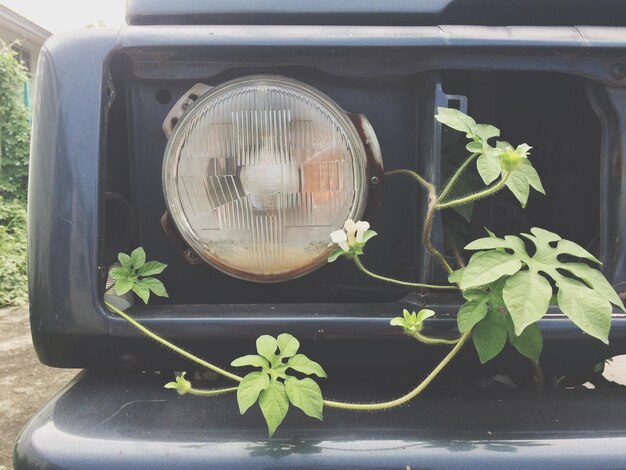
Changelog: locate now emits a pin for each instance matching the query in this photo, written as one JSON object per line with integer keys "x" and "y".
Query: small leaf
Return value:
{"x": 490, "y": 336}
{"x": 124, "y": 260}
{"x": 397, "y": 321}
{"x": 456, "y": 120}
{"x": 486, "y": 131}
{"x": 529, "y": 343}
{"x": 532, "y": 176}
{"x": 518, "y": 185}
{"x": 306, "y": 395}
{"x": 474, "y": 147}
{"x": 488, "y": 266}
{"x": 138, "y": 257}
{"x": 155, "y": 286}
{"x": 151, "y": 268}
{"x": 249, "y": 389}
{"x": 266, "y": 347}
{"x": 335, "y": 254}
{"x": 274, "y": 404}
{"x": 303, "y": 364}
{"x": 250, "y": 360}
{"x": 470, "y": 314}
{"x": 527, "y": 296}
{"x": 367, "y": 235}
{"x": 142, "y": 291}
{"x": 488, "y": 243}
{"x": 287, "y": 345}
{"x": 488, "y": 168}
{"x": 181, "y": 385}
{"x": 585, "y": 307}
{"x": 122, "y": 286}
{"x": 424, "y": 314}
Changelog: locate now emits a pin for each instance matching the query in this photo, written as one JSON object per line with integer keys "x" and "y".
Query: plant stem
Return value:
{"x": 207, "y": 393}
{"x": 363, "y": 269}
{"x": 428, "y": 226}
{"x": 433, "y": 341}
{"x": 540, "y": 381}
{"x": 172, "y": 346}
{"x": 428, "y": 186}
{"x": 473, "y": 197}
{"x": 456, "y": 176}
{"x": 409, "y": 396}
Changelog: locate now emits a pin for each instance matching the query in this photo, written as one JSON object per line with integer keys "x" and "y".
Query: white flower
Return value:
{"x": 340, "y": 238}
{"x": 361, "y": 228}
{"x": 350, "y": 227}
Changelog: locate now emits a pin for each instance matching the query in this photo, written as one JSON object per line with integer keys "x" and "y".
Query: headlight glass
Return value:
{"x": 258, "y": 173}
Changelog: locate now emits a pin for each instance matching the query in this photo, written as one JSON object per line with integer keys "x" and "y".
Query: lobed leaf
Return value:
{"x": 138, "y": 257}
{"x": 306, "y": 395}
{"x": 249, "y": 389}
{"x": 274, "y": 404}
{"x": 303, "y": 364}
{"x": 266, "y": 347}
{"x": 250, "y": 360}
{"x": 287, "y": 345}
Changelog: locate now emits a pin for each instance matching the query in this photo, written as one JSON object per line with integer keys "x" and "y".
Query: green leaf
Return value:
{"x": 573, "y": 249}
{"x": 155, "y": 286}
{"x": 488, "y": 266}
{"x": 249, "y": 389}
{"x": 266, "y": 347}
{"x": 274, "y": 404}
{"x": 456, "y": 120}
{"x": 335, "y": 254}
{"x": 596, "y": 280}
{"x": 367, "y": 235}
{"x": 518, "y": 185}
{"x": 306, "y": 395}
{"x": 529, "y": 343}
{"x": 303, "y": 364}
{"x": 142, "y": 291}
{"x": 424, "y": 314}
{"x": 397, "y": 321}
{"x": 119, "y": 272}
{"x": 122, "y": 286}
{"x": 474, "y": 147}
{"x": 138, "y": 257}
{"x": 151, "y": 268}
{"x": 181, "y": 385}
{"x": 490, "y": 336}
{"x": 486, "y": 131}
{"x": 456, "y": 276}
{"x": 585, "y": 307}
{"x": 527, "y": 296}
{"x": 488, "y": 243}
{"x": 251, "y": 360}
{"x": 287, "y": 345}
{"x": 532, "y": 176}
{"x": 488, "y": 168}
{"x": 125, "y": 261}
{"x": 470, "y": 314}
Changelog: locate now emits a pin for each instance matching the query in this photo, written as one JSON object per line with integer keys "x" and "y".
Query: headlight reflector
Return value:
{"x": 258, "y": 173}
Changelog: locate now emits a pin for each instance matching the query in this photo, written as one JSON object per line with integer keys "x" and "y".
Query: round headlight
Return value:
{"x": 257, "y": 174}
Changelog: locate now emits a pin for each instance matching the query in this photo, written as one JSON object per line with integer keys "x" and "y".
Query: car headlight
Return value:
{"x": 259, "y": 171}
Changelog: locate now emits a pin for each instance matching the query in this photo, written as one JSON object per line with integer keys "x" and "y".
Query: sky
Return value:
{"x": 59, "y": 16}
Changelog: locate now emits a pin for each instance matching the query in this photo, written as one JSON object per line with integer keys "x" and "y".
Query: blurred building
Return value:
{"x": 25, "y": 38}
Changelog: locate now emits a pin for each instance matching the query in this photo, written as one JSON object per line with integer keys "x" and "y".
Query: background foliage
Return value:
{"x": 14, "y": 151}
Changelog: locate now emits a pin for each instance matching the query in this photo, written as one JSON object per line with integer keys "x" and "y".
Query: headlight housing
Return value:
{"x": 259, "y": 171}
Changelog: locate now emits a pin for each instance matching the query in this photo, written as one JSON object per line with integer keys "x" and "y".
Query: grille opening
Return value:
{"x": 551, "y": 113}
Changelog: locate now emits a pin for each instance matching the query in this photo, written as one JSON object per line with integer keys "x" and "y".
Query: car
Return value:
{"x": 113, "y": 116}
